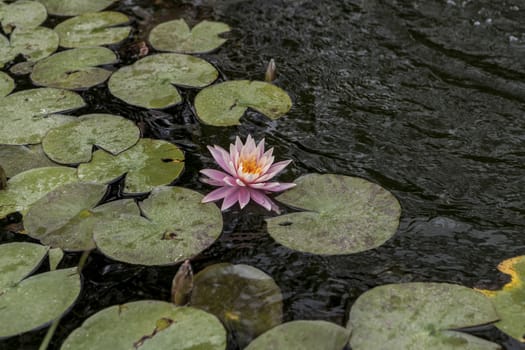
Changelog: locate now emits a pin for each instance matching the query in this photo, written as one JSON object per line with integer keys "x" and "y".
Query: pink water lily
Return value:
{"x": 247, "y": 169}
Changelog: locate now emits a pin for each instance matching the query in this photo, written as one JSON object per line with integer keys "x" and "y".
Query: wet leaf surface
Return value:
{"x": 24, "y": 14}
{"x": 17, "y": 261}
{"x": 34, "y": 44}
{"x": 74, "y": 7}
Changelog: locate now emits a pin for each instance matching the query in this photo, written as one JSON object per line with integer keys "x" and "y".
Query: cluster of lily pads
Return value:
{"x": 59, "y": 184}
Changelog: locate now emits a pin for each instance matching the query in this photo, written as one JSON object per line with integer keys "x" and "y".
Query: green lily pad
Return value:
{"x": 510, "y": 300}
{"x": 74, "y": 7}
{"x": 225, "y": 103}
{"x": 244, "y": 298}
{"x": 17, "y": 159}
{"x": 419, "y": 316}
{"x": 26, "y": 116}
{"x": 34, "y": 44}
{"x": 73, "y": 142}
{"x": 26, "y": 188}
{"x": 17, "y": 261}
{"x": 22, "y": 68}
{"x": 148, "y": 164}
{"x": 303, "y": 335}
{"x": 55, "y": 257}
{"x": 74, "y": 69}
{"x": 149, "y": 82}
{"x": 176, "y": 227}
{"x": 175, "y": 36}
{"x": 22, "y": 14}
{"x": 38, "y": 300}
{"x": 6, "y": 84}
{"x": 344, "y": 215}
{"x": 93, "y": 29}
{"x": 148, "y": 324}
{"x": 7, "y": 53}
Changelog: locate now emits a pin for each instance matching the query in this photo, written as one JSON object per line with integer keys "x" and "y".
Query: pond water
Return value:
{"x": 425, "y": 98}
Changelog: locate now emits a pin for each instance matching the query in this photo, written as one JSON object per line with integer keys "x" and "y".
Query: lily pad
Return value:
{"x": 26, "y": 116}
{"x": 419, "y": 316}
{"x": 175, "y": 36}
{"x": 93, "y": 29}
{"x": 74, "y": 69}
{"x": 38, "y": 300}
{"x": 26, "y": 188}
{"x": 34, "y": 44}
{"x": 55, "y": 257}
{"x": 303, "y": 335}
{"x": 17, "y": 159}
{"x": 244, "y": 298}
{"x": 73, "y": 142}
{"x": 17, "y": 261}
{"x": 344, "y": 215}
{"x": 148, "y": 164}
{"x": 6, "y": 84}
{"x": 149, "y": 82}
{"x": 510, "y": 300}
{"x": 225, "y": 103}
{"x": 149, "y": 324}
{"x": 22, "y": 14}
{"x": 176, "y": 227}
{"x": 74, "y": 7}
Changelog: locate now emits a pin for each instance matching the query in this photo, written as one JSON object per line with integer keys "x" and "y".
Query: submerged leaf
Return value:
{"x": 74, "y": 7}
{"x": 344, "y": 215}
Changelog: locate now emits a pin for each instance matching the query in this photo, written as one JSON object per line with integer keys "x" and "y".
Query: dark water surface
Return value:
{"x": 425, "y": 98}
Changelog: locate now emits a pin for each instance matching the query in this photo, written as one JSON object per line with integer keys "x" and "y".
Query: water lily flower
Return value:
{"x": 247, "y": 169}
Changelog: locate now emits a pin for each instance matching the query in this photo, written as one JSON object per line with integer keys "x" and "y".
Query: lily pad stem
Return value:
{"x": 83, "y": 259}
{"x": 49, "y": 334}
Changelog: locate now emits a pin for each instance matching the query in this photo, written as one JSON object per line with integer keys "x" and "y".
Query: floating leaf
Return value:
{"x": 55, "y": 257}
{"x": 510, "y": 300}
{"x": 6, "y": 84}
{"x": 22, "y": 14}
{"x": 148, "y": 324}
{"x": 93, "y": 29}
{"x": 7, "y": 53}
{"x": 244, "y": 298}
{"x": 38, "y": 300}
{"x": 34, "y": 44}
{"x": 419, "y": 316}
{"x": 17, "y": 261}
{"x": 26, "y": 188}
{"x": 149, "y": 82}
{"x": 175, "y": 36}
{"x": 148, "y": 164}
{"x": 345, "y": 215}
{"x": 224, "y": 104}
{"x": 73, "y": 142}
{"x": 22, "y": 68}
{"x": 26, "y": 116}
{"x": 176, "y": 227}
{"x": 74, "y": 69}
{"x": 16, "y": 159}
{"x": 74, "y": 7}
{"x": 303, "y": 335}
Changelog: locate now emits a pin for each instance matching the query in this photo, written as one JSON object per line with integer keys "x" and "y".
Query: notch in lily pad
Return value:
{"x": 74, "y": 7}
{"x": 342, "y": 215}
{"x": 176, "y": 36}
{"x": 225, "y": 103}
{"x": 73, "y": 142}
{"x": 149, "y": 82}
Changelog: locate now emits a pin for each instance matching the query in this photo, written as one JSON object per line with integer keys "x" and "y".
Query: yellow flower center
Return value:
{"x": 250, "y": 166}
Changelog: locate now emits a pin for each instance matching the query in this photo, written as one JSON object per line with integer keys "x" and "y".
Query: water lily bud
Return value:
{"x": 271, "y": 71}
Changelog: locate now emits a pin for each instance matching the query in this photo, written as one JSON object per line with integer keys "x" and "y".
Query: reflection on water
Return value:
{"x": 424, "y": 97}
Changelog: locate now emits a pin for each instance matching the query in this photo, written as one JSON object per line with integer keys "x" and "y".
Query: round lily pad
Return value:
{"x": 17, "y": 261}
{"x": 510, "y": 300}
{"x": 149, "y": 82}
{"x": 175, "y": 36}
{"x": 6, "y": 84}
{"x": 93, "y": 29}
{"x": 26, "y": 116}
{"x": 74, "y": 7}
{"x": 343, "y": 215}
{"x": 34, "y": 44}
{"x": 74, "y": 69}
{"x": 148, "y": 164}
{"x": 225, "y": 103}
{"x": 7, "y": 53}
{"x": 419, "y": 316}
{"x": 148, "y": 324}
{"x": 176, "y": 227}
{"x": 22, "y": 14}
{"x": 22, "y": 68}
{"x": 244, "y": 298}
{"x": 26, "y": 188}
{"x": 303, "y": 335}
{"x": 73, "y": 142}
{"x": 38, "y": 300}
{"x": 16, "y": 159}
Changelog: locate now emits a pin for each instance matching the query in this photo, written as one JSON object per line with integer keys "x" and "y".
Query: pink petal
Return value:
{"x": 260, "y": 149}
{"x": 244, "y": 197}
{"x": 214, "y": 174}
{"x": 212, "y": 182}
{"x": 219, "y": 193}
{"x": 260, "y": 198}
{"x": 238, "y": 144}
{"x": 219, "y": 158}
{"x": 273, "y": 186}
{"x": 274, "y": 169}
{"x": 230, "y": 199}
